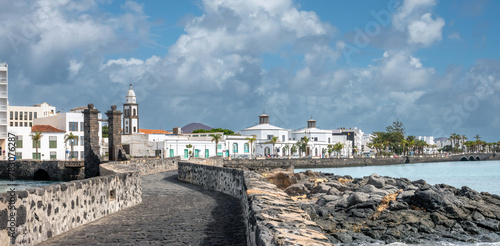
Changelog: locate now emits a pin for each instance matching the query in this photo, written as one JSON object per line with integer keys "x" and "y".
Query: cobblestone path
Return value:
{"x": 171, "y": 213}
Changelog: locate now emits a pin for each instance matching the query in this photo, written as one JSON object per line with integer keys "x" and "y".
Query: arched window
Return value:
{"x": 126, "y": 129}
{"x": 134, "y": 112}
{"x": 235, "y": 148}
{"x": 246, "y": 147}
{"x": 267, "y": 151}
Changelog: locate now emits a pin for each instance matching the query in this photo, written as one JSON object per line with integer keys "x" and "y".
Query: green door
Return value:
{"x": 207, "y": 153}
{"x": 196, "y": 153}
{"x": 171, "y": 153}
{"x": 186, "y": 153}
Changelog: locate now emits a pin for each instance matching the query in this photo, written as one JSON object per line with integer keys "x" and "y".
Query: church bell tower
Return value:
{"x": 130, "y": 113}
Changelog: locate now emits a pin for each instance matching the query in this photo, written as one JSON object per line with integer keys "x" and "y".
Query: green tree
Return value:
{"x": 273, "y": 141}
{"x": 189, "y": 146}
{"x": 70, "y": 137}
{"x": 306, "y": 144}
{"x": 338, "y": 148}
{"x": 225, "y": 131}
{"x": 216, "y": 138}
{"x": 105, "y": 130}
{"x": 36, "y": 137}
{"x": 293, "y": 149}
{"x": 330, "y": 150}
{"x": 251, "y": 140}
{"x": 286, "y": 149}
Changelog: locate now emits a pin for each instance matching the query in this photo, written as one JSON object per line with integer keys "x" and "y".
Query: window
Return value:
{"x": 37, "y": 156}
{"x": 269, "y": 137}
{"x": 25, "y": 115}
{"x": 219, "y": 146}
{"x": 81, "y": 126}
{"x": 31, "y": 115}
{"x": 196, "y": 135}
{"x": 34, "y": 115}
{"x": 81, "y": 140}
{"x": 73, "y": 154}
{"x": 20, "y": 115}
{"x": 171, "y": 153}
{"x": 31, "y": 124}
{"x": 186, "y": 153}
{"x": 245, "y": 148}
{"x": 328, "y": 140}
{"x": 126, "y": 128}
{"x": 74, "y": 142}
{"x": 316, "y": 139}
{"x": 19, "y": 155}
{"x": 53, "y": 155}
{"x": 52, "y": 142}
{"x": 196, "y": 153}
{"x": 11, "y": 123}
{"x": 19, "y": 142}
{"x": 283, "y": 138}
{"x": 82, "y": 155}
{"x": 16, "y": 123}
{"x": 135, "y": 129}
{"x": 73, "y": 126}
{"x": 25, "y": 123}
{"x": 11, "y": 115}
{"x": 235, "y": 148}
{"x": 207, "y": 153}
{"x": 36, "y": 144}
{"x": 15, "y": 117}
{"x": 134, "y": 112}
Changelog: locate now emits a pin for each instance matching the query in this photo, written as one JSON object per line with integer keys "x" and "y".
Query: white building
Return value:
{"x": 71, "y": 122}
{"x": 4, "y": 100}
{"x": 23, "y": 116}
{"x": 51, "y": 145}
{"x": 428, "y": 139}
{"x": 264, "y": 132}
{"x": 130, "y": 113}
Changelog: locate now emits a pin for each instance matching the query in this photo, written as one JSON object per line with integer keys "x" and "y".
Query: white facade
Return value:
{"x": 51, "y": 146}
{"x": 22, "y": 116}
{"x": 130, "y": 113}
{"x": 4, "y": 100}
{"x": 70, "y": 123}
{"x": 428, "y": 139}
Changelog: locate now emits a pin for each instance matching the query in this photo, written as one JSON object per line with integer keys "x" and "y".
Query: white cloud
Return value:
{"x": 415, "y": 17}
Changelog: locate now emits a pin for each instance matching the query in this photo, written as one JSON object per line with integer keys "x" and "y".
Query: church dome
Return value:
{"x": 130, "y": 98}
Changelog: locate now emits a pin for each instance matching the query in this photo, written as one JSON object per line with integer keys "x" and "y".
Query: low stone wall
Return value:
{"x": 271, "y": 216}
{"x": 144, "y": 166}
{"x": 217, "y": 161}
{"x": 57, "y": 170}
{"x": 51, "y": 210}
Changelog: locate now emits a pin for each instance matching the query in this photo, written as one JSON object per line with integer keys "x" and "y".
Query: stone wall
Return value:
{"x": 57, "y": 170}
{"x": 212, "y": 161}
{"x": 271, "y": 216}
{"x": 144, "y": 166}
{"x": 51, "y": 210}
{"x": 340, "y": 162}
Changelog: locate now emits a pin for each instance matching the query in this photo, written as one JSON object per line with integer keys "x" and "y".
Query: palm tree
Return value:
{"x": 464, "y": 139}
{"x": 330, "y": 150}
{"x": 286, "y": 149}
{"x": 273, "y": 141}
{"x": 216, "y": 138}
{"x": 338, "y": 147}
{"x": 306, "y": 142}
{"x": 70, "y": 137}
{"x": 251, "y": 140}
{"x": 36, "y": 136}
{"x": 478, "y": 142}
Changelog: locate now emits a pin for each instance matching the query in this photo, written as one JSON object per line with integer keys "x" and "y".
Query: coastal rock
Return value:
{"x": 376, "y": 180}
{"x": 297, "y": 190}
{"x": 385, "y": 210}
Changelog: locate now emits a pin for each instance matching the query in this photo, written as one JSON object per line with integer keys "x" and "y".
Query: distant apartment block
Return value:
{"x": 23, "y": 116}
{"x": 4, "y": 99}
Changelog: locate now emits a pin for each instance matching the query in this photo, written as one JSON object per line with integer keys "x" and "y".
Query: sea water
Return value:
{"x": 18, "y": 185}
{"x": 478, "y": 175}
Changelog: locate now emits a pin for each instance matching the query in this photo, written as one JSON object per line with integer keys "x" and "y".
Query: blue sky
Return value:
{"x": 434, "y": 65}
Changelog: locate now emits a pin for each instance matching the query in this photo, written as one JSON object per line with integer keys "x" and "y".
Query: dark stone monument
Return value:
{"x": 91, "y": 138}
{"x": 116, "y": 153}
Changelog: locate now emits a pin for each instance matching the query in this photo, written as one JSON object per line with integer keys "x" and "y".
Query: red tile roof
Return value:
{"x": 149, "y": 131}
{"x": 44, "y": 128}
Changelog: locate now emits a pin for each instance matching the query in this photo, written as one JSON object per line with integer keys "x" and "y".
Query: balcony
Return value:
{"x": 3, "y": 94}
{"x": 3, "y": 122}
{"x": 3, "y": 107}
{"x": 3, "y": 80}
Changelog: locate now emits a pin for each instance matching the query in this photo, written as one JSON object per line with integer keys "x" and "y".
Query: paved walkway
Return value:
{"x": 171, "y": 213}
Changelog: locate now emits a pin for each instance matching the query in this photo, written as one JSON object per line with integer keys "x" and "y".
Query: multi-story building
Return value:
{"x": 23, "y": 116}
{"x": 52, "y": 144}
{"x": 4, "y": 100}
{"x": 355, "y": 135}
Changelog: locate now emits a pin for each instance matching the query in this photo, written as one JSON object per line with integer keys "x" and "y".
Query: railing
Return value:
{"x": 3, "y": 107}
{"x": 3, "y": 122}
{"x": 3, "y": 93}
{"x": 3, "y": 80}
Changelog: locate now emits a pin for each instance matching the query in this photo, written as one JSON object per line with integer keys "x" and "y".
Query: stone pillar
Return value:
{"x": 114, "y": 133}
{"x": 91, "y": 138}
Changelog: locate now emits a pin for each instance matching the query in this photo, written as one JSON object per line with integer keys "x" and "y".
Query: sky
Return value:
{"x": 433, "y": 65}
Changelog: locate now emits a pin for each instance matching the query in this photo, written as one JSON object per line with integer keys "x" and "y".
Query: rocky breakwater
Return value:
{"x": 385, "y": 210}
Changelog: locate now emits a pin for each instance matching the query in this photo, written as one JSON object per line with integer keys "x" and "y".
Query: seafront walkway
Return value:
{"x": 171, "y": 213}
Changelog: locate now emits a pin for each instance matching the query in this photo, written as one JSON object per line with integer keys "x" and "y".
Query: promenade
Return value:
{"x": 172, "y": 213}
